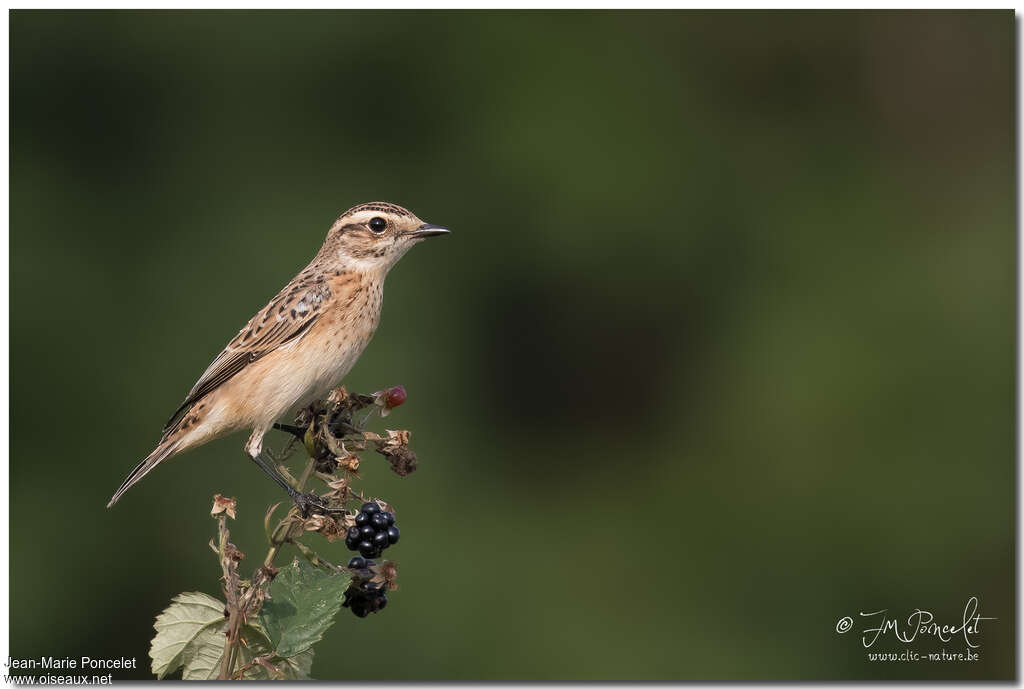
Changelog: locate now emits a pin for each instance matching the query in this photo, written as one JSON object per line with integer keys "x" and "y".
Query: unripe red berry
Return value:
{"x": 396, "y": 396}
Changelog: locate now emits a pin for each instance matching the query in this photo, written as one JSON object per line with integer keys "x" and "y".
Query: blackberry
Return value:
{"x": 359, "y": 563}
{"x": 362, "y": 598}
{"x": 374, "y": 531}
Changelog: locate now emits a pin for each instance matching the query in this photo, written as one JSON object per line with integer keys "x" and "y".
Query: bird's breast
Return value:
{"x": 307, "y": 367}
{"x": 340, "y": 336}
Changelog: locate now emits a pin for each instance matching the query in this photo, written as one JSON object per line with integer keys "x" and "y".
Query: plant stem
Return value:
{"x": 280, "y": 534}
{"x": 231, "y": 596}
{"x": 230, "y": 656}
{"x": 237, "y": 606}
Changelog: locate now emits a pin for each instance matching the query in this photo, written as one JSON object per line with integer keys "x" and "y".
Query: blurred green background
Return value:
{"x": 720, "y": 351}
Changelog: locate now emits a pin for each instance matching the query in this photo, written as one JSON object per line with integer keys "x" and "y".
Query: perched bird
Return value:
{"x": 298, "y": 346}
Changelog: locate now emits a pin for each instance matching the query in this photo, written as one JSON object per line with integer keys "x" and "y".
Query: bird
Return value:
{"x": 300, "y": 345}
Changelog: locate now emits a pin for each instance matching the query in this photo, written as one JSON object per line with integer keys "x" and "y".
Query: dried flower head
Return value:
{"x": 325, "y": 526}
{"x": 385, "y": 574}
{"x": 349, "y": 463}
{"x": 339, "y": 489}
{"x": 222, "y": 504}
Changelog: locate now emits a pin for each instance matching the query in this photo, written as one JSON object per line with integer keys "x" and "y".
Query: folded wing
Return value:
{"x": 287, "y": 317}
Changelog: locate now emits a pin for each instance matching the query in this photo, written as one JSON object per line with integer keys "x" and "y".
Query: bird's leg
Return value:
{"x": 274, "y": 474}
{"x": 297, "y": 431}
{"x": 306, "y": 502}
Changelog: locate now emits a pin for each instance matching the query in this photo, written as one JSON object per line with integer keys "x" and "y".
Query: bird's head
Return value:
{"x": 373, "y": 236}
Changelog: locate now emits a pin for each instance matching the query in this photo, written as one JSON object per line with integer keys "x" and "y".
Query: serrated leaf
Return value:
{"x": 190, "y": 636}
{"x": 298, "y": 666}
{"x": 187, "y": 617}
{"x": 256, "y": 644}
{"x": 203, "y": 655}
{"x": 303, "y": 603}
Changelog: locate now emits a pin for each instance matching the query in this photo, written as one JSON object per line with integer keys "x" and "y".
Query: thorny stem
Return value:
{"x": 280, "y": 533}
{"x": 237, "y": 606}
{"x": 306, "y": 474}
{"x": 229, "y": 594}
{"x": 231, "y": 652}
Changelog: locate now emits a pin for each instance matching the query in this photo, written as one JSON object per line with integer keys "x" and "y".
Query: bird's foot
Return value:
{"x": 311, "y": 503}
{"x": 308, "y": 503}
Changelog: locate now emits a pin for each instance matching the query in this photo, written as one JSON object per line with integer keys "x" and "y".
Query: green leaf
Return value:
{"x": 189, "y": 616}
{"x": 302, "y": 605}
{"x": 190, "y": 636}
{"x": 298, "y": 666}
{"x": 203, "y": 655}
{"x": 257, "y": 644}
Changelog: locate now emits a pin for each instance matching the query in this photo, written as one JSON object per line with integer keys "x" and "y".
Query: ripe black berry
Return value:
{"x": 374, "y": 531}
{"x": 362, "y": 598}
{"x": 360, "y": 567}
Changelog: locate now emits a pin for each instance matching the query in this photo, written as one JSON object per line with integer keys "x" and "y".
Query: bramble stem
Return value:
{"x": 238, "y": 605}
{"x": 233, "y": 608}
{"x": 280, "y": 533}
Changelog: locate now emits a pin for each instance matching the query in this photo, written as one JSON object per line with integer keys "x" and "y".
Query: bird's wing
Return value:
{"x": 285, "y": 318}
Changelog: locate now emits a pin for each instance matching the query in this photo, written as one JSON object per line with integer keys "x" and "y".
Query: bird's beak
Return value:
{"x": 428, "y": 230}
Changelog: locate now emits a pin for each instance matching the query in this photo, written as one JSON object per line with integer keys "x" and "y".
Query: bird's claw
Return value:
{"x": 311, "y": 503}
{"x": 307, "y": 503}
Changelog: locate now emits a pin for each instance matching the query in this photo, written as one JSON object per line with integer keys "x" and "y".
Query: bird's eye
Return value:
{"x": 378, "y": 225}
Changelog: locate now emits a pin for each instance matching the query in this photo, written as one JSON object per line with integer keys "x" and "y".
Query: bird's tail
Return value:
{"x": 162, "y": 452}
